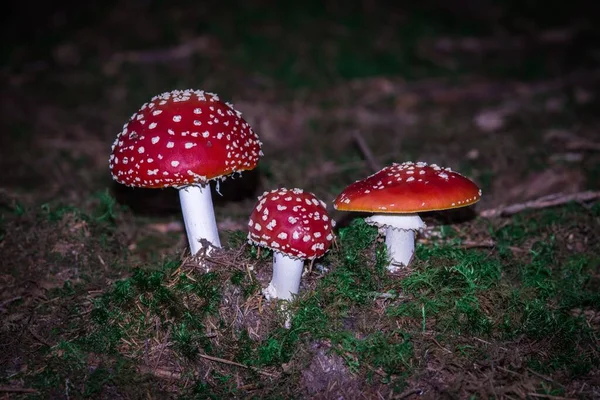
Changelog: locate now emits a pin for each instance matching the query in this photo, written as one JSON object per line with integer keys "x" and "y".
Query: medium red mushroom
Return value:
{"x": 296, "y": 226}
{"x": 396, "y": 195}
{"x": 184, "y": 139}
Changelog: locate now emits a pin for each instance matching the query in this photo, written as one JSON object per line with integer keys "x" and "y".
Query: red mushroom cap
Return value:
{"x": 292, "y": 222}
{"x": 408, "y": 188}
{"x": 183, "y": 137}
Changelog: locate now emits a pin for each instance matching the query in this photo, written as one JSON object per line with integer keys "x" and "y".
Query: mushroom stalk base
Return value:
{"x": 399, "y": 236}
{"x": 400, "y": 245}
{"x": 287, "y": 272}
{"x": 199, "y": 217}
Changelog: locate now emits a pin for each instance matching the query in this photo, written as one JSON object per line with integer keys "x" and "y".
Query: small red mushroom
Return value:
{"x": 397, "y": 193}
{"x": 296, "y": 226}
{"x": 184, "y": 139}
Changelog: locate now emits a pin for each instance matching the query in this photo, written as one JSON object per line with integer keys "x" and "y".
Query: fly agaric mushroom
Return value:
{"x": 296, "y": 226}
{"x": 184, "y": 139}
{"x": 397, "y": 193}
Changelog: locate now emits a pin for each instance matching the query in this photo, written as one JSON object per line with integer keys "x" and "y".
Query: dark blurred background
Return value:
{"x": 74, "y": 72}
{"x": 561, "y": 34}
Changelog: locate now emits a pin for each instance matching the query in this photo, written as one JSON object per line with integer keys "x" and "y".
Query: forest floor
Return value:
{"x": 99, "y": 298}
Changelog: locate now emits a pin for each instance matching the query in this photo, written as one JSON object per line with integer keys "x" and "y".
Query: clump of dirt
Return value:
{"x": 169, "y": 318}
{"x": 327, "y": 376}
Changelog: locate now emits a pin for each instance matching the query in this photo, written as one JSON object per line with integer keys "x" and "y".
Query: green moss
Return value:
{"x": 56, "y": 212}
{"x": 391, "y": 352}
{"x": 245, "y": 282}
{"x": 362, "y": 265}
{"x": 107, "y": 209}
{"x": 277, "y": 348}
{"x": 186, "y": 340}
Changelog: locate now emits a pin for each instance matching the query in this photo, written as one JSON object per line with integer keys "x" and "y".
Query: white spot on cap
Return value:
{"x": 174, "y": 163}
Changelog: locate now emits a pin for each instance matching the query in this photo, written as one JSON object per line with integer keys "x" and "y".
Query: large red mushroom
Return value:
{"x": 295, "y": 225}
{"x": 184, "y": 139}
{"x": 397, "y": 193}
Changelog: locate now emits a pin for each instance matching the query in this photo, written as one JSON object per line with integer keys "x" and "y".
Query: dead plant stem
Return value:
{"x": 366, "y": 151}
{"x": 229, "y": 362}
{"x": 10, "y": 389}
{"x": 551, "y": 200}
{"x": 549, "y": 396}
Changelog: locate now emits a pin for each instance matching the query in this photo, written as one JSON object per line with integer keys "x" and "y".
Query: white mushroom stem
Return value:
{"x": 287, "y": 272}
{"x": 198, "y": 216}
{"x": 399, "y": 232}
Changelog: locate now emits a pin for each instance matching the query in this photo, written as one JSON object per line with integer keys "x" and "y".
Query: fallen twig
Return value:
{"x": 169, "y": 54}
{"x": 377, "y": 371}
{"x": 12, "y": 300}
{"x": 551, "y": 200}
{"x": 440, "y": 346}
{"x": 471, "y": 44}
{"x": 469, "y": 244}
{"x": 549, "y": 396}
{"x": 544, "y": 377}
{"x": 582, "y": 145}
{"x": 163, "y": 347}
{"x": 509, "y": 371}
{"x": 439, "y": 91}
{"x": 489, "y": 344}
{"x": 229, "y": 362}
{"x": 409, "y": 393}
{"x": 10, "y": 389}
{"x": 366, "y": 151}
{"x": 38, "y": 337}
{"x": 159, "y": 372}
{"x": 570, "y": 141}
{"x": 173, "y": 226}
